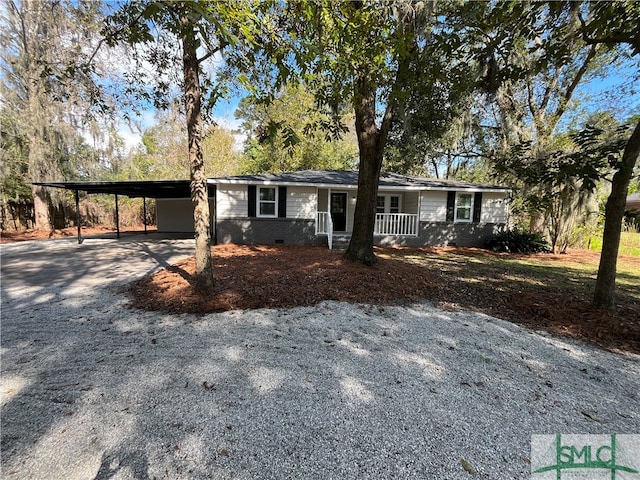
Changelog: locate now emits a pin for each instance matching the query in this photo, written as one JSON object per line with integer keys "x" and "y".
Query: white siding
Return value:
{"x": 495, "y": 207}
{"x": 232, "y": 201}
{"x": 301, "y": 202}
{"x": 323, "y": 200}
{"x": 174, "y": 215}
{"x": 410, "y": 202}
{"x": 433, "y": 206}
{"x": 351, "y": 208}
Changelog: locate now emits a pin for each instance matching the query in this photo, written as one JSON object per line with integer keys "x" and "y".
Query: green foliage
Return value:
{"x": 558, "y": 182}
{"x": 221, "y": 154}
{"x": 163, "y": 154}
{"x": 585, "y": 156}
{"x": 151, "y": 29}
{"x": 292, "y": 133}
{"x": 14, "y": 167}
{"x": 613, "y": 23}
{"x": 518, "y": 241}
{"x": 53, "y": 94}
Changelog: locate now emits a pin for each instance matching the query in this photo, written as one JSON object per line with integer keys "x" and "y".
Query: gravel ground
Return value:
{"x": 93, "y": 390}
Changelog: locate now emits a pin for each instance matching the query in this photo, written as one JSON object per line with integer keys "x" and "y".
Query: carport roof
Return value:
{"x": 130, "y": 188}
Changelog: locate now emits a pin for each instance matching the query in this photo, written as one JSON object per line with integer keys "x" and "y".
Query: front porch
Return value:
{"x": 396, "y": 224}
{"x": 396, "y": 213}
{"x": 405, "y": 224}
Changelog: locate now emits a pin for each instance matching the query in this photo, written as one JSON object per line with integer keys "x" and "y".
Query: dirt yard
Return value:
{"x": 546, "y": 297}
{"x": 453, "y": 278}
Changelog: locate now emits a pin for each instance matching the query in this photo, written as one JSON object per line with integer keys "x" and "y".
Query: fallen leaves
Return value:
{"x": 283, "y": 276}
{"x": 468, "y": 467}
{"x": 593, "y": 416}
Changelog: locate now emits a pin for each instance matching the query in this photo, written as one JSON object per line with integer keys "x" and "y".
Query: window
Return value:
{"x": 388, "y": 204}
{"x": 464, "y": 207}
{"x": 267, "y": 201}
{"x": 394, "y": 204}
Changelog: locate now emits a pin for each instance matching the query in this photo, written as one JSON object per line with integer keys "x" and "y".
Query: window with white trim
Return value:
{"x": 267, "y": 202}
{"x": 464, "y": 207}
{"x": 388, "y": 204}
{"x": 394, "y": 204}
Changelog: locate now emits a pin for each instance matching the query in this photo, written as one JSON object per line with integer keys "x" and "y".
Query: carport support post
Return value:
{"x": 117, "y": 219}
{"x": 144, "y": 213}
{"x": 80, "y": 239}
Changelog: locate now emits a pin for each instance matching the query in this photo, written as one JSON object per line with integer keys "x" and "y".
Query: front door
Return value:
{"x": 339, "y": 211}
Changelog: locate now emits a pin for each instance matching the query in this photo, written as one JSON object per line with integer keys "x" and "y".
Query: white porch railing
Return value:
{"x": 386, "y": 224}
{"x": 324, "y": 226}
{"x": 396, "y": 224}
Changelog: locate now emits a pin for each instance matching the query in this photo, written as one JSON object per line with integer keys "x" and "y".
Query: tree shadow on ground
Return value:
{"x": 552, "y": 297}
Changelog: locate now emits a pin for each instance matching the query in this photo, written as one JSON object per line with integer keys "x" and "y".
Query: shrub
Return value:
{"x": 518, "y": 241}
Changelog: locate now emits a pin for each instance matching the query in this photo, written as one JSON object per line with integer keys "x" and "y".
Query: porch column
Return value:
{"x": 419, "y": 213}
{"x": 80, "y": 239}
{"x": 144, "y": 213}
{"x": 117, "y": 218}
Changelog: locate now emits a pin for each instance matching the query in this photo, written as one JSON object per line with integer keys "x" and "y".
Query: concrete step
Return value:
{"x": 341, "y": 242}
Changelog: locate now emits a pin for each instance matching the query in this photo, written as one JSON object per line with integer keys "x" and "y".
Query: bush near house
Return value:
{"x": 518, "y": 241}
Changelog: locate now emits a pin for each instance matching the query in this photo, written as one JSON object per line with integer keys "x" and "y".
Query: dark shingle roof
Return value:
{"x": 326, "y": 178}
{"x": 350, "y": 178}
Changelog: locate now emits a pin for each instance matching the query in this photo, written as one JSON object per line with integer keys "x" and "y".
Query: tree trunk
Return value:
{"x": 604, "y": 292}
{"x": 370, "y": 146}
{"x": 203, "y": 281}
{"x": 42, "y": 166}
{"x": 41, "y": 208}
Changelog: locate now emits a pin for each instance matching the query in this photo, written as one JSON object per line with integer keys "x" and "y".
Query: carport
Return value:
{"x": 132, "y": 188}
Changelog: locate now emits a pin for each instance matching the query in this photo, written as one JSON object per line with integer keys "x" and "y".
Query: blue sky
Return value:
{"x": 223, "y": 113}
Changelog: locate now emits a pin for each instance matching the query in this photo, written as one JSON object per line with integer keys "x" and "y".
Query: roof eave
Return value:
{"x": 244, "y": 181}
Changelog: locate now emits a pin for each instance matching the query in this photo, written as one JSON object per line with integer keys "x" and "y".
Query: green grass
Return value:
{"x": 629, "y": 244}
{"x": 538, "y": 275}
{"x": 542, "y": 292}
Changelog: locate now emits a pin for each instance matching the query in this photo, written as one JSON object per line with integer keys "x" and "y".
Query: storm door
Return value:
{"x": 339, "y": 211}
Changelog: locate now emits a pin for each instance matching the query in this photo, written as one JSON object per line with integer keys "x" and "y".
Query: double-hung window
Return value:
{"x": 464, "y": 207}
{"x": 267, "y": 201}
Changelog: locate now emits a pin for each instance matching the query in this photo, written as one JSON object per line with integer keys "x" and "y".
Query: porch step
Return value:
{"x": 341, "y": 242}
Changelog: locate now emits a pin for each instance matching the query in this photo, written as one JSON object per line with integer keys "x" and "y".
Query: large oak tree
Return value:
{"x": 535, "y": 56}
{"x": 369, "y": 55}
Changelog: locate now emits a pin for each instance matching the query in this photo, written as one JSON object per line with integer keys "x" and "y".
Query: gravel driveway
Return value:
{"x": 93, "y": 390}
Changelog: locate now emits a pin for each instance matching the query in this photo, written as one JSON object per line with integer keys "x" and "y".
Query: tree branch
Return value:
{"x": 211, "y": 53}
{"x": 114, "y": 34}
{"x": 562, "y": 106}
{"x": 551, "y": 86}
{"x": 613, "y": 40}
{"x": 398, "y": 85}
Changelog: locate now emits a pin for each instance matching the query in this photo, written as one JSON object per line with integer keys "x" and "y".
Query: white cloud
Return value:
{"x": 131, "y": 132}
